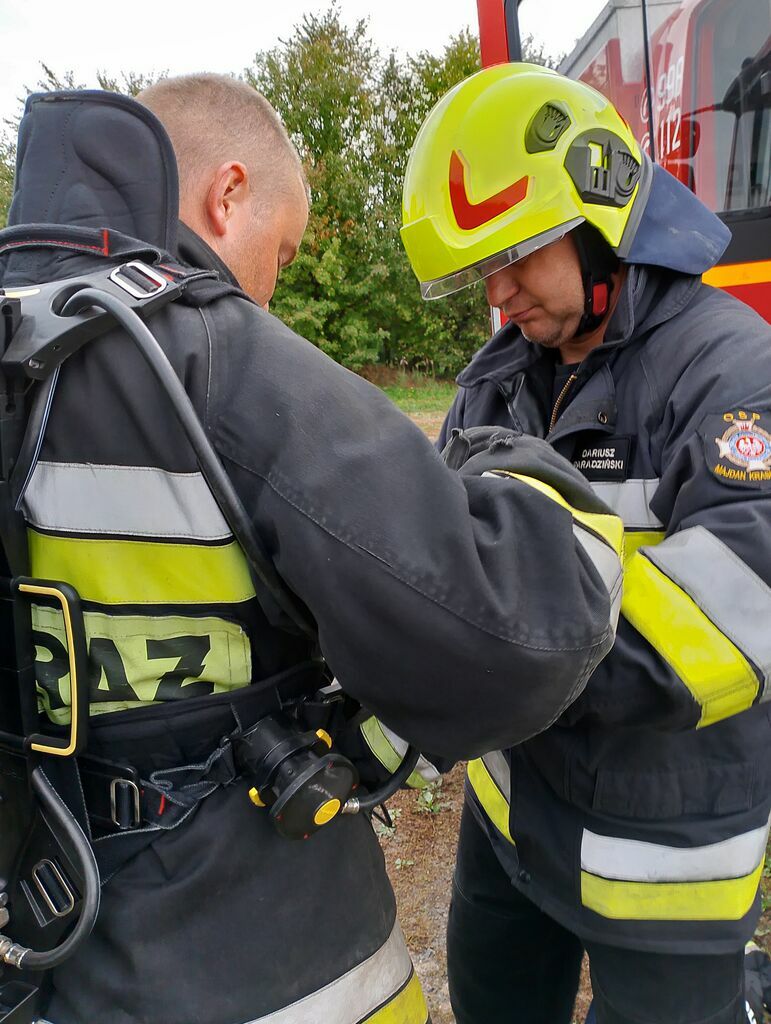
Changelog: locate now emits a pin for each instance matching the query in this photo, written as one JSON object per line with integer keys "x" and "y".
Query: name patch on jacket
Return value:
{"x": 605, "y": 460}
{"x": 738, "y": 446}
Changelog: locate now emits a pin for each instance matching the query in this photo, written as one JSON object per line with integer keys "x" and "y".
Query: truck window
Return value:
{"x": 731, "y": 96}
{"x": 609, "y": 54}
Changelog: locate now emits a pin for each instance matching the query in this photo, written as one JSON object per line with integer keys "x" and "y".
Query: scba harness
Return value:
{"x": 71, "y": 817}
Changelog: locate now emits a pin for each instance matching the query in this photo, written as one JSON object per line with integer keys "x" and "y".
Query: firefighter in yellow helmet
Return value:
{"x": 635, "y": 826}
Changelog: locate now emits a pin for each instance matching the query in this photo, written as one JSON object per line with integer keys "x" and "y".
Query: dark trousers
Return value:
{"x": 509, "y": 963}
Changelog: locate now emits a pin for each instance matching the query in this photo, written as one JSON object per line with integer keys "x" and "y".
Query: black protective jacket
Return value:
{"x": 640, "y": 817}
{"x": 411, "y": 572}
{"x": 465, "y": 610}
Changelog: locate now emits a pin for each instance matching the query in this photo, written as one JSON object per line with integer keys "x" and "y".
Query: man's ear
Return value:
{"x": 228, "y": 190}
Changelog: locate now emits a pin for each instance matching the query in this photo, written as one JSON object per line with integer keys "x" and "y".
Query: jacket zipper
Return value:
{"x": 555, "y": 411}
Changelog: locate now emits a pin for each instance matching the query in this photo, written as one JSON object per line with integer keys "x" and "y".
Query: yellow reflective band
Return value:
{"x": 407, "y": 1007}
{"x": 605, "y": 525}
{"x": 635, "y": 539}
{"x": 723, "y": 900}
{"x": 139, "y": 659}
{"x": 379, "y": 745}
{"x": 720, "y": 679}
{"x": 141, "y": 572}
{"x": 492, "y": 800}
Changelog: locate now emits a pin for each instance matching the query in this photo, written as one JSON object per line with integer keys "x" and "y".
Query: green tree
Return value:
{"x": 131, "y": 83}
{"x": 437, "y": 337}
{"x": 7, "y": 162}
{"x": 536, "y": 53}
{"x": 353, "y": 115}
{"x": 128, "y": 82}
{"x": 322, "y": 81}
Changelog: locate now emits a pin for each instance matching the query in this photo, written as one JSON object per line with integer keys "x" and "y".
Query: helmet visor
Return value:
{"x": 441, "y": 286}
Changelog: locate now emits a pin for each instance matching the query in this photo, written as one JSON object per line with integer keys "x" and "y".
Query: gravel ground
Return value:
{"x": 420, "y": 853}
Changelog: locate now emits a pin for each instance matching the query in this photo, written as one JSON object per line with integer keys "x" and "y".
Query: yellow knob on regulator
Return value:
{"x": 254, "y": 796}
{"x": 326, "y": 812}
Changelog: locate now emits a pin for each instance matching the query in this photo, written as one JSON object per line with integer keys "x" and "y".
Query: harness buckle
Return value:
{"x": 138, "y": 279}
{"x": 125, "y": 809}
{"x": 54, "y": 888}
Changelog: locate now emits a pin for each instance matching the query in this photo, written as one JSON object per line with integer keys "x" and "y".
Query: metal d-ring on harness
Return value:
{"x": 295, "y": 773}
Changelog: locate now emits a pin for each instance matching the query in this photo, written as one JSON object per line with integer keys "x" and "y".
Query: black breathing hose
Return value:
{"x": 365, "y": 804}
{"x": 219, "y": 483}
{"x": 22, "y": 957}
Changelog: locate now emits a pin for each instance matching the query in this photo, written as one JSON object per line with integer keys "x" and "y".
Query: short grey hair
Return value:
{"x": 212, "y": 118}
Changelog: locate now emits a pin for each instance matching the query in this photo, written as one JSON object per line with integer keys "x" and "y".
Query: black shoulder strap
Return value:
{"x": 61, "y": 317}
{"x": 36, "y": 340}
{"x": 200, "y": 287}
{"x": 99, "y": 242}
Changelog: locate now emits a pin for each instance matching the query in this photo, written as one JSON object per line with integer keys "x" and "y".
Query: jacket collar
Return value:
{"x": 194, "y": 252}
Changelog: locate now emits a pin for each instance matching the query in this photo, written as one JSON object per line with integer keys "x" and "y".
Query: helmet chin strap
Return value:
{"x": 598, "y": 264}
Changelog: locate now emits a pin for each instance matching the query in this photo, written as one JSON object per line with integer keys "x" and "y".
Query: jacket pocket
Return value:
{"x": 719, "y": 770}
{"x": 703, "y": 788}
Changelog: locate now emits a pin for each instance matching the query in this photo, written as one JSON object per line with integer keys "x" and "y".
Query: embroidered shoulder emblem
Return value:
{"x": 744, "y": 449}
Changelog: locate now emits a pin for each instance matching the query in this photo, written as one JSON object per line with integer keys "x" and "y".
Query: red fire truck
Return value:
{"x": 693, "y": 79}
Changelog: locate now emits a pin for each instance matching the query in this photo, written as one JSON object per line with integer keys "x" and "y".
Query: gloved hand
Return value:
{"x": 465, "y": 444}
{"x": 350, "y": 741}
{"x": 377, "y": 752}
{"x": 489, "y": 449}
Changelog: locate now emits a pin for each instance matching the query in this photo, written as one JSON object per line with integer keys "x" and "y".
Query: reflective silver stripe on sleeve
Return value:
{"x": 133, "y": 501}
{"x": 355, "y": 995}
{"x": 729, "y": 593}
{"x": 630, "y": 500}
{"x": 607, "y": 564}
{"x": 634, "y": 861}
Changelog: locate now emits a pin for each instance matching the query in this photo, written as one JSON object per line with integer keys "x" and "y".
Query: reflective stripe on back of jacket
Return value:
{"x": 641, "y": 817}
{"x": 165, "y": 585}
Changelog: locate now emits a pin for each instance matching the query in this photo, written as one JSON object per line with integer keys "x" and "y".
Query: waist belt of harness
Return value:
{"x": 134, "y": 785}
{"x": 119, "y": 799}
{"x": 131, "y": 812}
